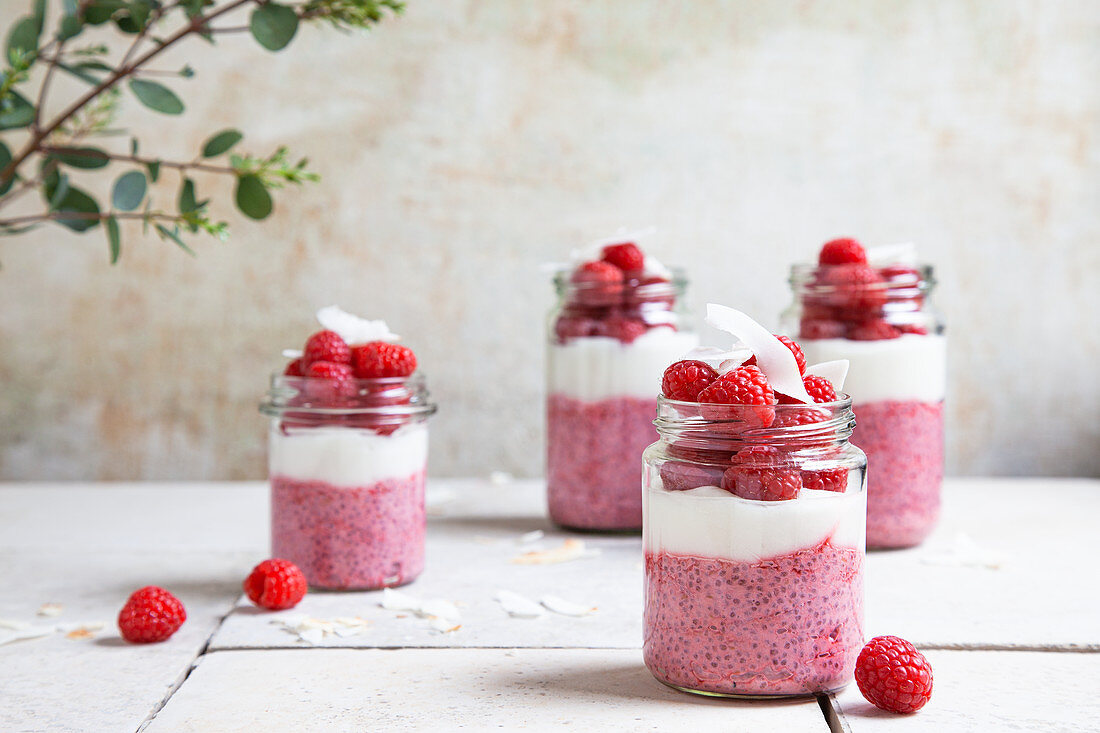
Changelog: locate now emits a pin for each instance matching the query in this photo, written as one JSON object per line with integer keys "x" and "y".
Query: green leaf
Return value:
{"x": 70, "y": 6}
{"x": 70, "y": 27}
{"x": 86, "y": 158}
{"x": 221, "y": 143}
{"x": 5, "y": 158}
{"x": 98, "y": 12}
{"x": 113, "y": 239}
{"x": 133, "y": 146}
{"x": 154, "y": 170}
{"x": 55, "y": 186}
{"x": 76, "y": 200}
{"x": 187, "y": 72}
{"x": 23, "y": 37}
{"x": 156, "y": 96}
{"x": 273, "y": 25}
{"x": 174, "y": 235}
{"x": 79, "y": 73}
{"x": 15, "y": 111}
{"x": 135, "y": 18}
{"x": 39, "y": 14}
{"x": 252, "y": 197}
{"x": 128, "y": 191}
{"x": 187, "y": 201}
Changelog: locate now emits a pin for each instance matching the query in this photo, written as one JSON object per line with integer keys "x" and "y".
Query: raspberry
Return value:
{"x": 876, "y": 330}
{"x": 684, "y": 380}
{"x": 151, "y": 614}
{"x": 597, "y": 283}
{"x": 745, "y": 385}
{"x": 756, "y": 473}
{"x": 329, "y": 370}
{"x": 571, "y": 327}
{"x": 912, "y": 328}
{"x": 820, "y": 388}
{"x": 842, "y": 252}
{"x": 626, "y": 256}
{"x": 799, "y": 356}
{"x": 622, "y": 328}
{"x": 829, "y": 479}
{"x": 858, "y": 291}
{"x": 598, "y": 272}
{"x": 811, "y": 329}
{"x": 791, "y": 417}
{"x": 326, "y": 346}
{"x": 294, "y": 369}
{"x": 329, "y": 381}
{"x": 680, "y": 476}
{"x": 893, "y": 675}
{"x": 382, "y": 359}
{"x": 275, "y": 584}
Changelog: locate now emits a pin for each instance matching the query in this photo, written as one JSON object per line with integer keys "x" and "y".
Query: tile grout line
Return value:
{"x": 186, "y": 672}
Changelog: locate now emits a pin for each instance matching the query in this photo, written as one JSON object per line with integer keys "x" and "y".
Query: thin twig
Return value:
{"x": 46, "y": 85}
{"x": 139, "y": 159}
{"x": 85, "y": 216}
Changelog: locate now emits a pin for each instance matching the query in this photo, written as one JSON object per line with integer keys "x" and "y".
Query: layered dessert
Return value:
{"x": 872, "y": 311}
{"x": 754, "y": 526}
{"x": 617, "y": 328}
{"x": 348, "y": 449}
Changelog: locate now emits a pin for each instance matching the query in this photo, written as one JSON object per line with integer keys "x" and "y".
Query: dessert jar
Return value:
{"x": 888, "y": 329}
{"x": 763, "y": 596}
{"x": 608, "y": 345}
{"x": 347, "y": 475}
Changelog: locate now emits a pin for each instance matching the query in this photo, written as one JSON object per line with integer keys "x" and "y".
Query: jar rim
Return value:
{"x": 802, "y": 275}
{"x": 285, "y": 389}
{"x": 684, "y": 420}
{"x": 562, "y": 282}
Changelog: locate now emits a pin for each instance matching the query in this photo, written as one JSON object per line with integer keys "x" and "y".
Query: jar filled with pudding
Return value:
{"x": 753, "y": 532}
{"x": 619, "y": 320}
{"x": 347, "y": 458}
{"x": 873, "y": 307}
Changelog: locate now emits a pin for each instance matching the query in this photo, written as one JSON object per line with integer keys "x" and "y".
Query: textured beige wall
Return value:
{"x": 467, "y": 142}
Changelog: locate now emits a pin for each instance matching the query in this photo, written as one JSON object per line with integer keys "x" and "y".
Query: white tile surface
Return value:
{"x": 440, "y": 689}
{"x": 992, "y": 691}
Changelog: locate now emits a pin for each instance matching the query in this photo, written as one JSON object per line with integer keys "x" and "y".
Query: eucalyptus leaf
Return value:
{"x": 5, "y": 158}
{"x": 15, "y": 111}
{"x": 79, "y": 73}
{"x": 128, "y": 191}
{"x": 133, "y": 146}
{"x": 156, "y": 96}
{"x": 154, "y": 170}
{"x": 252, "y": 197}
{"x": 56, "y": 187}
{"x": 98, "y": 12}
{"x": 114, "y": 241}
{"x": 221, "y": 143}
{"x": 70, "y": 27}
{"x": 187, "y": 202}
{"x": 174, "y": 235}
{"x": 86, "y": 158}
{"x": 273, "y": 25}
{"x": 39, "y": 14}
{"x": 23, "y": 37}
{"x": 77, "y": 201}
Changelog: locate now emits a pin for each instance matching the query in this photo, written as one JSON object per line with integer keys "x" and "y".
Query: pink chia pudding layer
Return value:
{"x": 343, "y": 538}
{"x": 594, "y": 462}
{"x": 782, "y": 626}
{"x": 903, "y": 441}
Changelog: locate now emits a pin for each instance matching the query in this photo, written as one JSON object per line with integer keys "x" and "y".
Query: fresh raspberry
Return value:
{"x": 567, "y": 328}
{"x": 275, "y": 584}
{"x": 329, "y": 370}
{"x": 820, "y": 388}
{"x": 811, "y": 329}
{"x": 329, "y": 381}
{"x": 294, "y": 369}
{"x": 598, "y": 272}
{"x": 893, "y": 675}
{"x": 622, "y": 328}
{"x": 598, "y": 283}
{"x": 745, "y": 385}
{"x": 383, "y": 359}
{"x": 876, "y": 330}
{"x": 680, "y": 476}
{"x": 829, "y": 479}
{"x": 151, "y": 614}
{"x": 799, "y": 356}
{"x": 326, "y": 346}
{"x": 626, "y": 256}
{"x": 792, "y": 416}
{"x": 684, "y": 380}
{"x": 757, "y": 472}
{"x": 842, "y": 252}
{"x": 857, "y": 291}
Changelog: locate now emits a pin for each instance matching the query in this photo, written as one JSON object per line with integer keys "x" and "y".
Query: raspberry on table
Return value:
{"x": 150, "y": 614}
{"x": 799, "y": 356}
{"x": 842, "y": 252}
{"x": 685, "y": 379}
{"x": 626, "y": 256}
{"x": 893, "y": 675}
{"x": 379, "y": 359}
{"x": 757, "y": 472}
{"x": 875, "y": 330}
{"x": 275, "y": 584}
{"x": 326, "y": 346}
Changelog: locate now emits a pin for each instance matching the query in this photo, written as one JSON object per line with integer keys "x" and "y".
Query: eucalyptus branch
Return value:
{"x": 97, "y": 155}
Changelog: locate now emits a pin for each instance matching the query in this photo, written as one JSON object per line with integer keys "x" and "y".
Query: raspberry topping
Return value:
{"x": 819, "y": 328}
{"x": 383, "y": 359}
{"x": 295, "y": 369}
{"x": 329, "y": 381}
{"x": 842, "y": 252}
{"x": 627, "y": 257}
{"x": 623, "y": 328}
{"x": 876, "y": 330}
{"x": 757, "y": 472}
{"x": 799, "y": 356}
{"x": 326, "y": 346}
{"x": 598, "y": 272}
{"x": 893, "y": 675}
{"x": 571, "y": 327}
{"x": 829, "y": 479}
{"x": 275, "y": 584}
{"x": 680, "y": 476}
{"x": 684, "y": 380}
{"x": 745, "y": 385}
{"x": 820, "y": 388}
{"x": 151, "y": 614}
{"x": 329, "y": 370}
{"x": 858, "y": 291}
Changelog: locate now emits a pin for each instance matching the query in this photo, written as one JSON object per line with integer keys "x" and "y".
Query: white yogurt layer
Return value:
{"x": 599, "y": 368}
{"x": 347, "y": 457}
{"x": 908, "y": 368}
{"x": 712, "y": 522}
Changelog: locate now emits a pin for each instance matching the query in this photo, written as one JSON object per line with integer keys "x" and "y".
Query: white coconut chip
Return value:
{"x": 902, "y": 253}
{"x": 395, "y": 600}
{"x": 352, "y": 328}
{"x": 50, "y": 610}
{"x": 774, "y": 359}
{"x": 566, "y": 608}
{"x": 440, "y": 608}
{"x": 13, "y": 624}
{"x": 835, "y": 371}
{"x": 529, "y": 537}
{"x": 655, "y": 268}
{"x": 292, "y": 353}
{"x": 571, "y": 549}
{"x": 34, "y": 632}
{"x": 518, "y": 606}
{"x": 81, "y": 631}
{"x": 729, "y": 365}
{"x": 76, "y": 630}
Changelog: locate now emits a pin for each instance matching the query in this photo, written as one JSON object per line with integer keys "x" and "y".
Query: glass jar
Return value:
{"x": 347, "y": 464}
{"x": 754, "y": 548}
{"x": 608, "y": 346}
{"x": 894, "y": 340}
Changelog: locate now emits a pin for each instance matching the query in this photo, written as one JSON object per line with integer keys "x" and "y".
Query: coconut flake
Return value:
{"x": 395, "y": 600}
{"x": 774, "y": 359}
{"x": 33, "y": 632}
{"x": 566, "y": 608}
{"x": 902, "y": 253}
{"x": 293, "y": 353}
{"x": 440, "y": 608}
{"x": 835, "y": 371}
{"x": 13, "y": 624}
{"x": 655, "y": 268}
{"x": 729, "y": 365}
{"x": 352, "y": 328}
{"x": 79, "y": 632}
{"x": 50, "y": 610}
{"x": 444, "y": 625}
{"x": 518, "y": 606}
{"x": 529, "y": 537}
{"x": 571, "y": 549}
